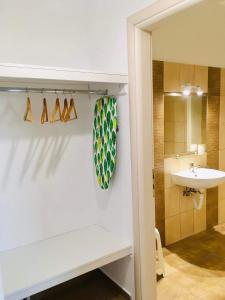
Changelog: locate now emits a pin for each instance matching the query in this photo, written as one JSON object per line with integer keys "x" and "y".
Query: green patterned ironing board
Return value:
{"x": 104, "y": 139}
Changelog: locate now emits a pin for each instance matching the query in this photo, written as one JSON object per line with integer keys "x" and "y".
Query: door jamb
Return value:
{"x": 141, "y": 129}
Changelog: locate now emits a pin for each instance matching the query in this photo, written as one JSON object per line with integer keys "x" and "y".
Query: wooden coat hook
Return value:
{"x": 56, "y": 110}
{"x": 44, "y": 115}
{"x": 70, "y": 109}
{"x": 65, "y": 110}
{"x": 28, "y": 117}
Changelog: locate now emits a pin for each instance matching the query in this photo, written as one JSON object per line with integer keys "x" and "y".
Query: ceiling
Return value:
{"x": 193, "y": 36}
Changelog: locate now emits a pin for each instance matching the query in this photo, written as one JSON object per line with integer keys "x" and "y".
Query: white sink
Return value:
{"x": 199, "y": 178}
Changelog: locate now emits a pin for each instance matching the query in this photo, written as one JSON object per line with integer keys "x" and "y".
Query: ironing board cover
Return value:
{"x": 104, "y": 139}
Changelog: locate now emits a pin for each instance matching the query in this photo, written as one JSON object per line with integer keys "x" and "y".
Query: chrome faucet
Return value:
{"x": 194, "y": 168}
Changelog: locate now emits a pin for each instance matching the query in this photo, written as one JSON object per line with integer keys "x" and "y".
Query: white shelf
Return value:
{"x": 32, "y": 73}
{"x": 30, "y": 269}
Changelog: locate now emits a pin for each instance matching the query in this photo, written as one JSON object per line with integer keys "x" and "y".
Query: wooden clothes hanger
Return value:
{"x": 65, "y": 110}
{"x": 28, "y": 117}
{"x": 44, "y": 115}
{"x": 70, "y": 109}
{"x": 56, "y": 109}
{"x": 64, "y": 116}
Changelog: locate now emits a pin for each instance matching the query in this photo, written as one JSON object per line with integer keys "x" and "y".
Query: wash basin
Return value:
{"x": 199, "y": 178}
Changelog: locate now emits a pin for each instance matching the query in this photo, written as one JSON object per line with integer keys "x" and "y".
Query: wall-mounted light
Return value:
{"x": 199, "y": 91}
{"x": 187, "y": 89}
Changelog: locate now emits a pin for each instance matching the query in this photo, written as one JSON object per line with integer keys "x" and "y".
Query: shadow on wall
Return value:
{"x": 36, "y": 148}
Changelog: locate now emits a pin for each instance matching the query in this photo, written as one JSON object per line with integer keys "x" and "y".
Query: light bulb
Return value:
{"x": 199, "y": 91}
{"x": 186, "y": 91}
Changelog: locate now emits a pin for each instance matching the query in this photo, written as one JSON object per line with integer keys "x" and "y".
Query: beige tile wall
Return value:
{"x": 158, "y": 132}
{"x": 221, "y": 200}
{"x": 176, "y": 75}
{"x": 181, "y": 218}
{"x": 212, "y": 144}
{"x": 175, "y": 214}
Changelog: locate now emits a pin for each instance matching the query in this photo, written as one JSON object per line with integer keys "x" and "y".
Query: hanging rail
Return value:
{"x": 54, "y": 91}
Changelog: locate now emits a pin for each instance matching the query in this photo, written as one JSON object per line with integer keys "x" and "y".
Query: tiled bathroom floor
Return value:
{"x": 195, "y": 268}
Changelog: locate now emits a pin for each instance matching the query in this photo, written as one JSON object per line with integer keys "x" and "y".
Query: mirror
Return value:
{"x": 184, "y": 124}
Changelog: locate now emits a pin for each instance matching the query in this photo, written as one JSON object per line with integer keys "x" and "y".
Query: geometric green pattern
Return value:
{"x": 104, "y": 139}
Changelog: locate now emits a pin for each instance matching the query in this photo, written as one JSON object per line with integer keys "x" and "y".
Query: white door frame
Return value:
{"x": 141, "y": 120}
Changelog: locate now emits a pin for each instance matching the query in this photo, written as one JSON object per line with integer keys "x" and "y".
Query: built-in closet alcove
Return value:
{"x": 55, "y": 221}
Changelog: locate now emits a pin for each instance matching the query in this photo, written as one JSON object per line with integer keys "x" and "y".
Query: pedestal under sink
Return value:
{"x": 199, "y": 178}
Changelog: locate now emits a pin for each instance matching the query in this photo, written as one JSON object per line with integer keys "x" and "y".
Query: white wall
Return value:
{"x": 115, "y": 203}
{"x": 114, "y": 206}
{"x": 189, "y": 37}
{"x": 46, "y": 172}
{"x": 81, "y": 34}
{"x": 46, "y": 178}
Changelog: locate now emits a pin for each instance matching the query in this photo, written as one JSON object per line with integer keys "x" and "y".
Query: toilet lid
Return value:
{"x": 104, "y": 139}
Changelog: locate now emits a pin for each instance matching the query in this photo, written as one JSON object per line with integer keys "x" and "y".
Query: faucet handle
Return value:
{"x": 192, "y": 165}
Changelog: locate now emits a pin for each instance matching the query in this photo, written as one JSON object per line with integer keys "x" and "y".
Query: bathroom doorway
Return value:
{"x": 177, "y": 124}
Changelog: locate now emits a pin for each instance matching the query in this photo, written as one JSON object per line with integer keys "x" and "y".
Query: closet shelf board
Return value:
{"x": 35, "y": 73}
{"x": 33, "y": 268}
